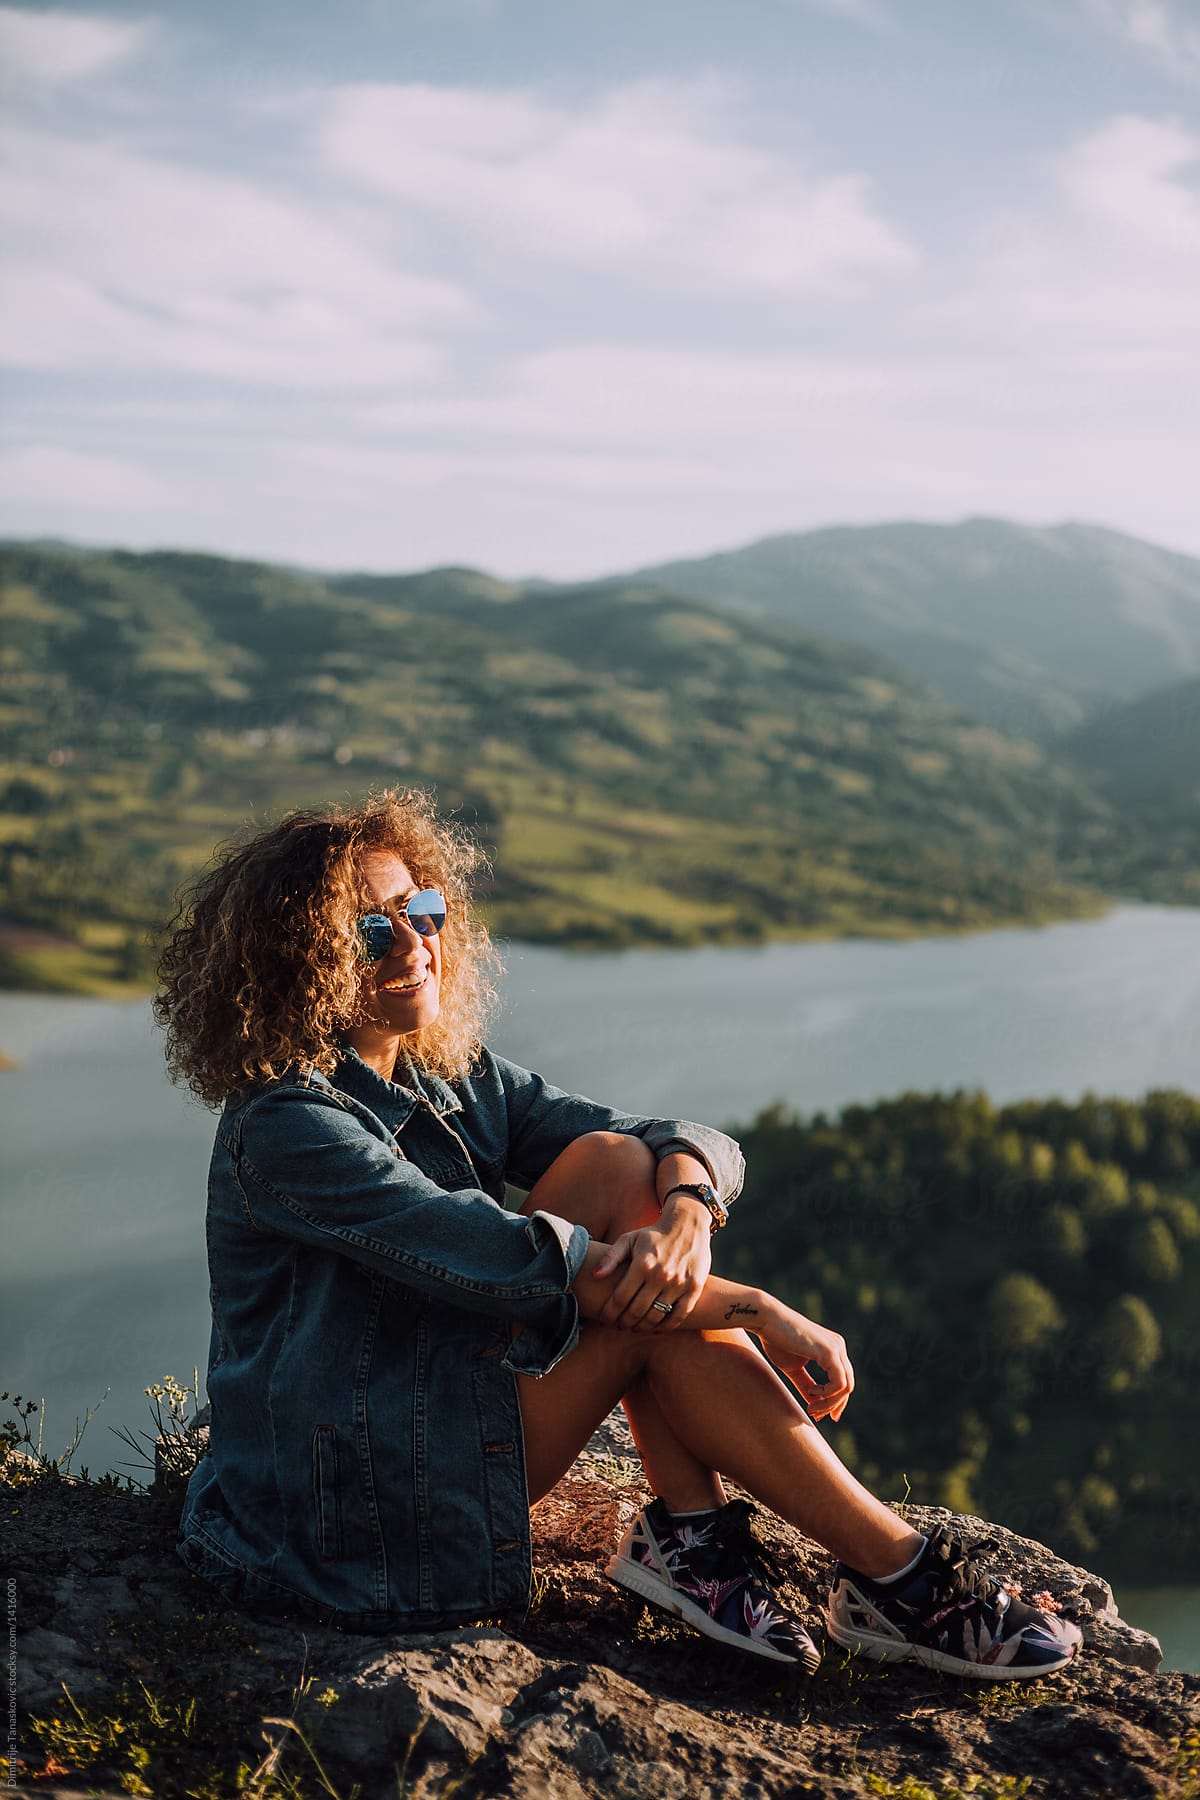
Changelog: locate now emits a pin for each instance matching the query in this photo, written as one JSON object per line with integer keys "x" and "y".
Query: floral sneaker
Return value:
{"x": 948, "y": 1613}
{"x": 715, "y": 1576}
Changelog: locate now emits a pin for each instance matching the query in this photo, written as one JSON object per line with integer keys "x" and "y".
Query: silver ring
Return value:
{"x": 663, "y": 1306}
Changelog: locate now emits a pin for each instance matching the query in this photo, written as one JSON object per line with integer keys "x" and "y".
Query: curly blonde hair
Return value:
{"x": 261, "y": 970}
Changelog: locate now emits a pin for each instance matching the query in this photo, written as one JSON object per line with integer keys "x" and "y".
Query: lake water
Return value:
{"x": 103, "y": 1282}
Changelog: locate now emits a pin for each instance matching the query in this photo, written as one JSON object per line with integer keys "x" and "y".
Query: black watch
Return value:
{"x": 706, "y": 1195}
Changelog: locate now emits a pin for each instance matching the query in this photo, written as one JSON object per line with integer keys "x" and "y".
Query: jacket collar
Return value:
{"x": 392, "y": 1101}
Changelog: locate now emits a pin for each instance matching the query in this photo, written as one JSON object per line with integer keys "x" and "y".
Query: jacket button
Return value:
{"x": 491, "y": 1350}
{"x": 505, "y": 1449}
{"x": 507, "y": 1544}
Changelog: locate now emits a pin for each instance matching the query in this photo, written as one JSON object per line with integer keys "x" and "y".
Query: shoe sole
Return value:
{"x": 886, "y": 1649}
{"x": 651, "y": 1587}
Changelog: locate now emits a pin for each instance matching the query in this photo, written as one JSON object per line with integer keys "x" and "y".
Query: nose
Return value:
{"x": 404, "y": 932}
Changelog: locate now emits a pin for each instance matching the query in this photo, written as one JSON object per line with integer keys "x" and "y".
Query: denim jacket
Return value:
{"x": 365, "y": 1463}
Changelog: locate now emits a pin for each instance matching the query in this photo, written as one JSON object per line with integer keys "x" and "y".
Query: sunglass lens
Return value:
{"x": 376, "y": 936}
{"x": 427, "y": 911}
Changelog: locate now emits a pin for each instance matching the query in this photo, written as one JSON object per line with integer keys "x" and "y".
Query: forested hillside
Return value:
{"x": 1144, "y": 759}
{"x": 1032, "y": 629}
{"x": 1148, "y": 750}
{"x": 644, "y": 768}
{"x": 1019, "y": 1289}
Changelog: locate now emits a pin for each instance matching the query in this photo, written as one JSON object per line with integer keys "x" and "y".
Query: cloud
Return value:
{"x": 430, "y": 218}
{"x": 39, "y": 473}
{"x": 1160, "y": 28}
{"x": 445, "y": 322}
{"x": 658, "y": 181}
{"x": 118, "y": 261}
{"x": 1129, "y": 178}
{"x": 862, "y": 12}
{"x": 601, "y": 456}
{"x": 614, "y": 397}
{"x": 58, "y": 48}
{"x": 1106, "y": 264}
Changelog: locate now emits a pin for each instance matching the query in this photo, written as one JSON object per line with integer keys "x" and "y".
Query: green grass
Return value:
{"x": 183, "y": 1741}
{"x": 71, "y": 969}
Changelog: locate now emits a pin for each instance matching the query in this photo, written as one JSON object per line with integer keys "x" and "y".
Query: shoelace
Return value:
{"x": 735, "y": 1534}
{"x": 959, "y": 1576}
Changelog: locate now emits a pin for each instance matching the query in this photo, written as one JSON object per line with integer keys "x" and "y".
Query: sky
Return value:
{"x": 564, "y": 287}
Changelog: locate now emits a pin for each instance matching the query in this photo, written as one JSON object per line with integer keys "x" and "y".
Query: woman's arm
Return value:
{"x": 671, "y": 1257}
{"x": 543, "y": 1120}
{"x": 789, "y": 1339}
{"x": 306, "y": 1168}
{"x": 673, "y": 1253}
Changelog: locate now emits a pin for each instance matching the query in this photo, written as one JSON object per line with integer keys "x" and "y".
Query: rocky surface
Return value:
{"x": 170, "y": 1692}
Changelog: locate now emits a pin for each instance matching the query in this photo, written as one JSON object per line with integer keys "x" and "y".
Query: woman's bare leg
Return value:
{"x": 725, "y": 1405}
{"x": 605, "y": 1182}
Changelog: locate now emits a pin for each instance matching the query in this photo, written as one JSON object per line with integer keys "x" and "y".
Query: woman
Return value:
{"x": 399, "y": 1365}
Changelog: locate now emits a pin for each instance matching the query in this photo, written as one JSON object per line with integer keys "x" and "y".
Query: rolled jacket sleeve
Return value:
{"x": 309, "y": 1170}
{"x": 545, "y": 1340}
{"x": 543, "y": 1120}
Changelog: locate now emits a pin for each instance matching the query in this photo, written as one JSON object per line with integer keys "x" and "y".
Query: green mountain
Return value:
{"x": 644, "y": 768}
{"x": 1032, "y": 630}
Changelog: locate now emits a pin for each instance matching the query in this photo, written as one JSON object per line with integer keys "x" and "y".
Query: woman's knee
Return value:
{"x": 616, "y": 1152}
{"x": 608, "y": 1172}
{"x": 626, "y": 1167}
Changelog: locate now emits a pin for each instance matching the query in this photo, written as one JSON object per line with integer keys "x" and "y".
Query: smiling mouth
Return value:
{"x": 403, "y": 987}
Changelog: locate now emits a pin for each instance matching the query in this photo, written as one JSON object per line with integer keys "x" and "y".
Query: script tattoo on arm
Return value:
{"x": 742, "y": 1312}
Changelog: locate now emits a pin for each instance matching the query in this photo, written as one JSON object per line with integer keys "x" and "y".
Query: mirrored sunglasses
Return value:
{"x": 425, "y": 912}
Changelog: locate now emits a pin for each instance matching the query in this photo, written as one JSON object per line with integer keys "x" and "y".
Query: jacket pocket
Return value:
{"x": 327, "y": 1493}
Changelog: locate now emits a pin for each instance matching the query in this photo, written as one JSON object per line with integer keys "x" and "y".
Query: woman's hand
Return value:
{"x": 668, "y": 1262}
{"x": 662, "y": 1259}
{"x": 791, "y": 1341}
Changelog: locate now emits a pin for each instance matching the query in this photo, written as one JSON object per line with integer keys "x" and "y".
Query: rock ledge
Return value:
{"x": 590, "y": 1697}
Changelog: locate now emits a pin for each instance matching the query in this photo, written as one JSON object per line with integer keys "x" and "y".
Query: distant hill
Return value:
{"x": 1148, "y": 751}
{"x": 452, "y": 588}
{"x": 1033, "y": 630}
{"x": 643, "y": 767}
{"x": 1144, "y": 758}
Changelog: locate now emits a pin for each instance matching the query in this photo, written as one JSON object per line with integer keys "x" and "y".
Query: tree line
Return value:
{"x": 1019, "y": 1288}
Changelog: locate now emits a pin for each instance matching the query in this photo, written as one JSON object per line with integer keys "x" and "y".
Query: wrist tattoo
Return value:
{"x": 742, "y": 1312}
